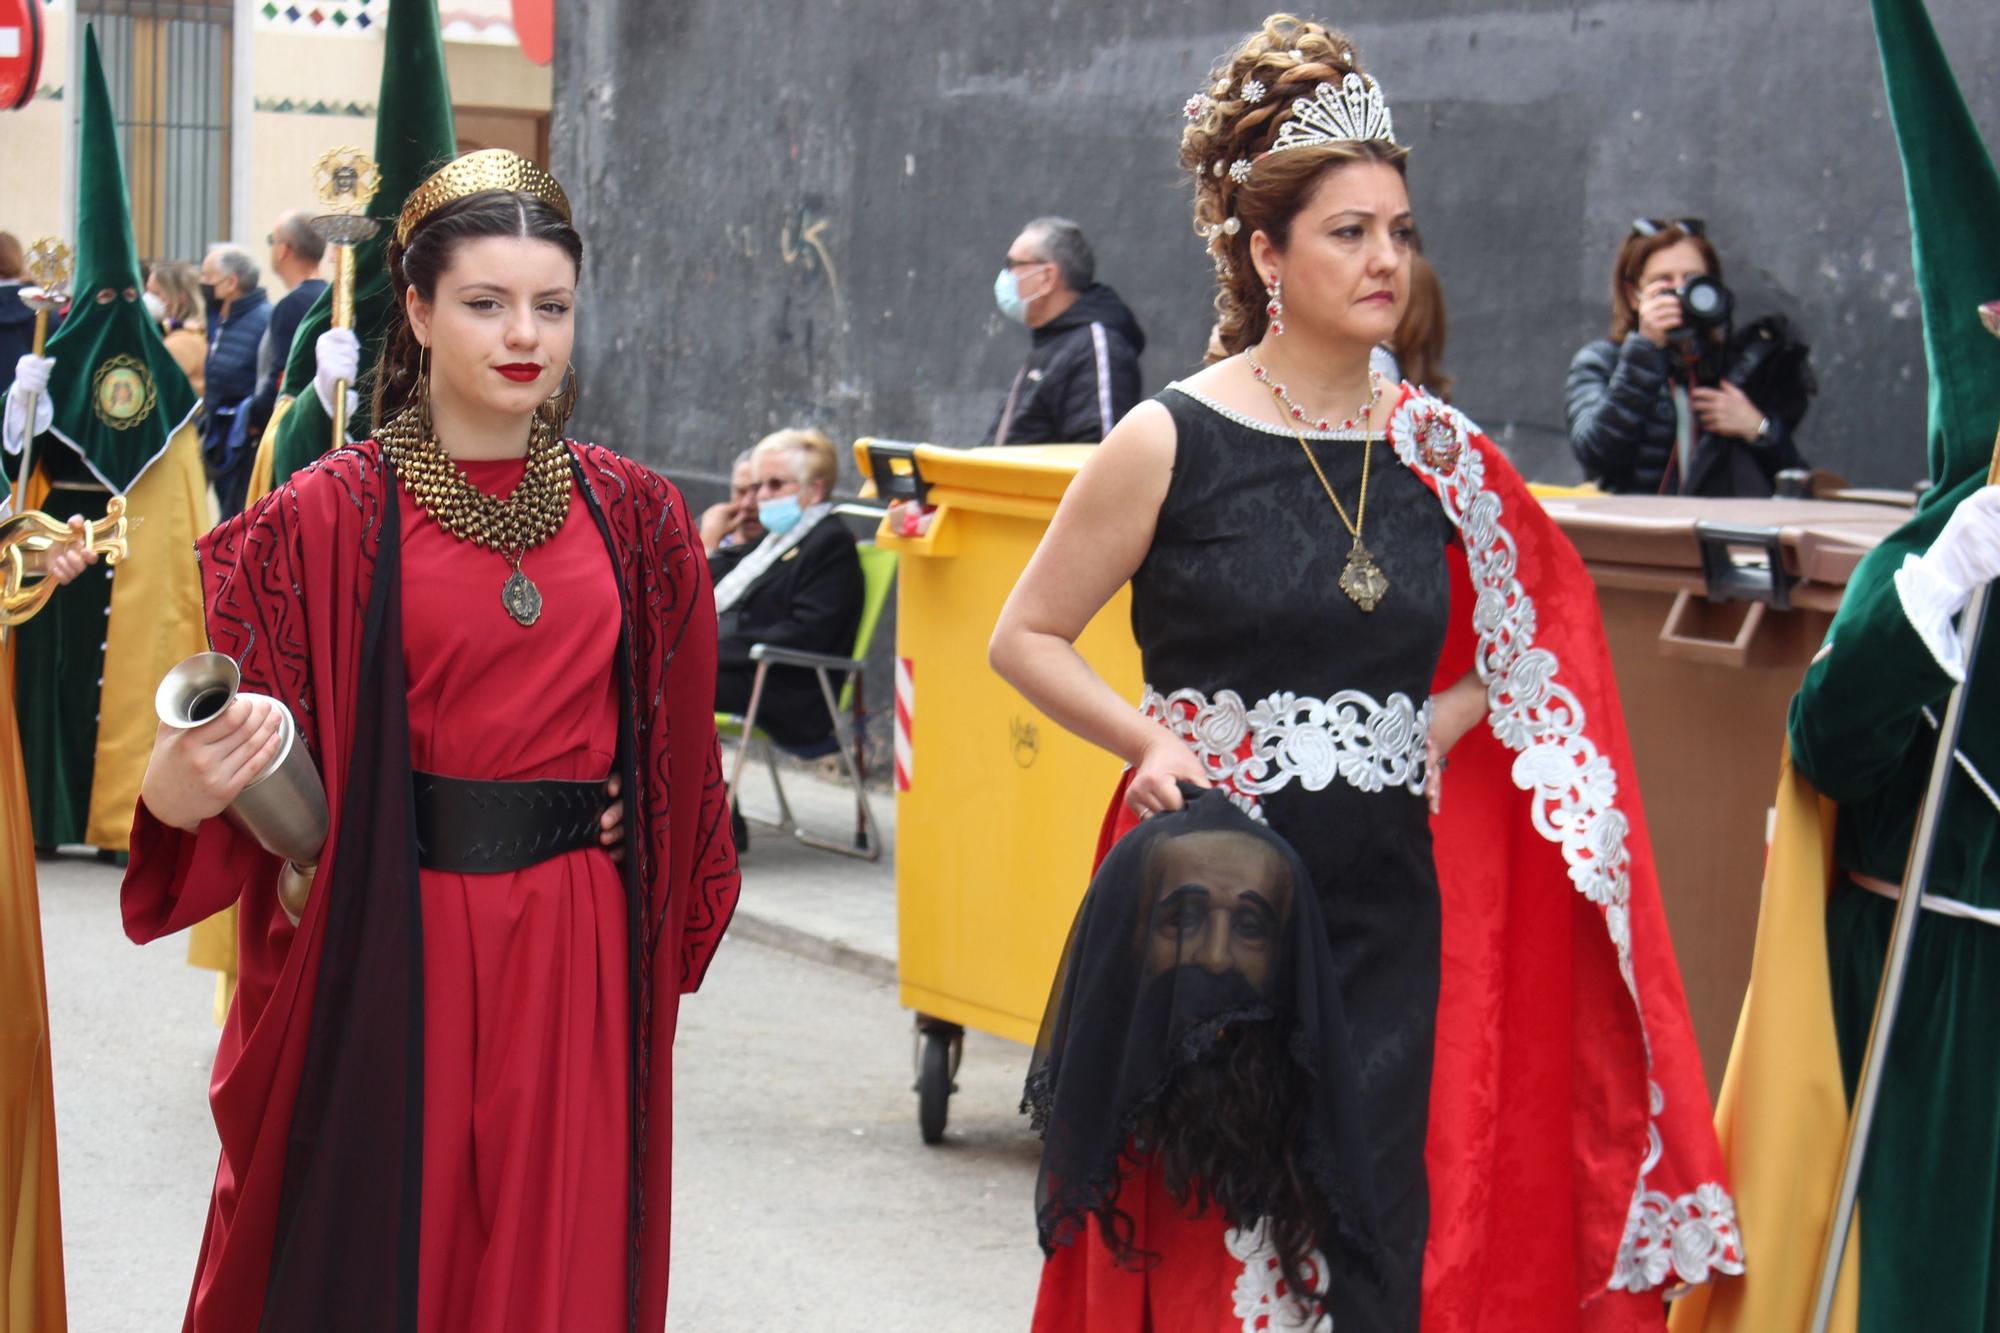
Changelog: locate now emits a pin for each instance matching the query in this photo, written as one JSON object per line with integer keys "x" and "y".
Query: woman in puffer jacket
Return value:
{"x": 1658, "y": 408}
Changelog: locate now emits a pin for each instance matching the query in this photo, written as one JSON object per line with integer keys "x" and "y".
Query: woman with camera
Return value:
{"x": 1674, "y": 401}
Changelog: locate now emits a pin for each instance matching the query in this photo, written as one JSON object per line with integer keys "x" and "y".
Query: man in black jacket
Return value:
{"x": 1082, "y": 372}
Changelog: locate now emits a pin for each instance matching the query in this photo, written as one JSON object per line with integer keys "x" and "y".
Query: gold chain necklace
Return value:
{"x": 1361, "y": 578}
{"x": 511, "y": 527}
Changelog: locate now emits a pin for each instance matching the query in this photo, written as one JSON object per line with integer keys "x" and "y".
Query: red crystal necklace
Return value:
{"x": 1298, "y": 413}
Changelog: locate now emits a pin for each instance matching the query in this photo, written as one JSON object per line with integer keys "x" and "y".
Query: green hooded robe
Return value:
{"x": 1863, "y": 731}
{"x": 124, "y": 424}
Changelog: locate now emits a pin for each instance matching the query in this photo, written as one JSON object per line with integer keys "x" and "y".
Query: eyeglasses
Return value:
{"x": 1026, "y": 263}
{"x": 1654, "y": 226}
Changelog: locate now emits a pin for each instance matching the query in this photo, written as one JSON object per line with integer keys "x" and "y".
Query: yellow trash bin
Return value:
{"x": 997, "y": 808}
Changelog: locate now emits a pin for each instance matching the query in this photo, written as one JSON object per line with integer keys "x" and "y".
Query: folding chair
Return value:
{"x": 848, "y": 712}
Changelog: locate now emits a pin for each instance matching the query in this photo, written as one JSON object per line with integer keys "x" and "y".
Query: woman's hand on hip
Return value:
{"x": 611, "y": 824}
{"x": 194, "y": 775}
{"x": 1163, "y": 765}
{"x": 1455, "y": 710}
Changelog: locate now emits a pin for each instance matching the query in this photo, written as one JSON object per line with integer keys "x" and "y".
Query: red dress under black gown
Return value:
{"x": 525, "y": 1014}
{"x": 445, "y": 1102}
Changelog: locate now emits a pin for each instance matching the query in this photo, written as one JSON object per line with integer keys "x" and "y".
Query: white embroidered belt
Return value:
{"x": 1256, "y": 749}
{"x": 1986, "y": 916}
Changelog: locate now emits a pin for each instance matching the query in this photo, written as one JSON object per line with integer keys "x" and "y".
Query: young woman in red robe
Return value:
{"x": 1326, "y": 609}
{"x": 444, "y": 1094}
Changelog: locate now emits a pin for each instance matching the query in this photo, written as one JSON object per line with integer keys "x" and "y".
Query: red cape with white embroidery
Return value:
{"x": 1573, "y": 1168}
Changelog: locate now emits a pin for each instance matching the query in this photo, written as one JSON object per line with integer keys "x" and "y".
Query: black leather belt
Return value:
{"x": 489, "y": 828}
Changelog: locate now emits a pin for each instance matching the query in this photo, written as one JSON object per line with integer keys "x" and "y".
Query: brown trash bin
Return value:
{"x": 1714, "y": 608}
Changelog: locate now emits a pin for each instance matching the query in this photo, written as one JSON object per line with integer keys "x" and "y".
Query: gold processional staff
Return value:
{"x": 346, "y": 180}
{"x": 48, "y": 267}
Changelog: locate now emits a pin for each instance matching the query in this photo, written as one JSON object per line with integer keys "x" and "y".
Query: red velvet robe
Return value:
{"x": 1572, "y": 1163}
{"x": 319, "y": 1085}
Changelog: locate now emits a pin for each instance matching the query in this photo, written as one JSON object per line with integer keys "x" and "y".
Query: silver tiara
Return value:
{"x": 1352, "y": 113}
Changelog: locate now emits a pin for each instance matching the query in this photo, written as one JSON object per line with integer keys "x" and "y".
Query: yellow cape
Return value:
{"x": 155, "y": 622}
{"x": 31, "y": 1273}
{"x": 1782, "y": 1116}
{"x": 267, "y": 447}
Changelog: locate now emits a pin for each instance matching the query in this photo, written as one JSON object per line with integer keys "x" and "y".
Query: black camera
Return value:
{"x": 1705, "y": 304}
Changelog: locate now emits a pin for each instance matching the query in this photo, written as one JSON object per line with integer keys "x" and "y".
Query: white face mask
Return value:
{"x": 1007, "y": 295}
{"x": 154, "y": 307}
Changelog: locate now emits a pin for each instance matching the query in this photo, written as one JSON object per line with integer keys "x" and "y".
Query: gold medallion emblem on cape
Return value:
{"x": 513, "y": 526}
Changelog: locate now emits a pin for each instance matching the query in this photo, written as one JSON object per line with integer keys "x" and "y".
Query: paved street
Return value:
{"x": 803, "y": 1197}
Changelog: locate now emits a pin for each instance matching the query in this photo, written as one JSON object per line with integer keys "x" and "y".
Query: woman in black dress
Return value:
{"x": 1288, "y": 524}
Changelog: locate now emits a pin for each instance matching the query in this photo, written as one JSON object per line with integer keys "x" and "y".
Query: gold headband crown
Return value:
{"x": 476, "y": 173}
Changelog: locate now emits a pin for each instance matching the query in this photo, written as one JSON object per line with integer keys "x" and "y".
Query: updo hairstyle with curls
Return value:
{"x": 425, "y": 258}
{"x": 1232, "y": 125}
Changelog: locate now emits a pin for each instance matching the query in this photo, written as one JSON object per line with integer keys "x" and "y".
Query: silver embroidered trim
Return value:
{"x": 1261, "y": 1298}
{"x": 1350, "y": 737}
{"x": 1575, "y": 792}
{"x": 1269, "y": 428}
{"x": 1692, "y": 1236}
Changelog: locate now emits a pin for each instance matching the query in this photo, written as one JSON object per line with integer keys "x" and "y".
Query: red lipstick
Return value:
{"x": 521, "y": 372}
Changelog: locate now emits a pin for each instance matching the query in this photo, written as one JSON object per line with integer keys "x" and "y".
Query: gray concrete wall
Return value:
{"x": 795, "y": 211}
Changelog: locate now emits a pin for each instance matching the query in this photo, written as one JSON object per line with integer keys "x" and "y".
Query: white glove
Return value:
{"x": 31, "y": 376}
{"x": 336, "y": 356}
{"x": 1935, "y": 586}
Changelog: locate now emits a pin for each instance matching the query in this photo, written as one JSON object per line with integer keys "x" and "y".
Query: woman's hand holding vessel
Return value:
{"x": 194, "y": 775}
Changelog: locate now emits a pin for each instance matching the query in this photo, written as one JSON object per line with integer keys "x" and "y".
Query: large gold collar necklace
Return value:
{"x": 530, "y": 515}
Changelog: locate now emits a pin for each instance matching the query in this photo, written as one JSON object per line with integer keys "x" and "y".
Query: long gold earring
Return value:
{"x": 422, "y": 390}
{"x": 556, "y": 408}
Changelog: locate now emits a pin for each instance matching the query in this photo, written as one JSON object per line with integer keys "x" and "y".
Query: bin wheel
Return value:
{"x": 937, "y": 1064}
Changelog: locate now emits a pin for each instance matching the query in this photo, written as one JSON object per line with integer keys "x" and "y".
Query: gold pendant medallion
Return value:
{"x": 522, "y": 598}
{"x": 1363, "y": 579}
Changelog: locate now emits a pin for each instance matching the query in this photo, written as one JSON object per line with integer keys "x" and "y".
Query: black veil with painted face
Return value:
{"x": 1195, "y": 1024}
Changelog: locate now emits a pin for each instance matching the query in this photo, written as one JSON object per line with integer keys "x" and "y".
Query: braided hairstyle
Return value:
{"x": 1232, "y": 125}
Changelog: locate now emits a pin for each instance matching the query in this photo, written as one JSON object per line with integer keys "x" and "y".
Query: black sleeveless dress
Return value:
{"x": 1317, "y": 712}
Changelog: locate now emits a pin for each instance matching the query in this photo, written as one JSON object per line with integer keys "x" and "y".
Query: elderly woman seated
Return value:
{"x": 800, "y": 587}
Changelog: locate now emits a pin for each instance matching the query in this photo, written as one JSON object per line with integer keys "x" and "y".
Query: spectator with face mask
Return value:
{"x": 238, "y": 314}
{"x": 173, "y": 299}
{"x": 1082, "y": 372}
{"x": 799, "y": 587}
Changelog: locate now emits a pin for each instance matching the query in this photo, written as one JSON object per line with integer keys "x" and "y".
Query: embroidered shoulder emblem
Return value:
{"x": 1434, "y": 429}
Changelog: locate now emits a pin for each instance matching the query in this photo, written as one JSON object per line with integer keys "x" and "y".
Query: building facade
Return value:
{"x": 224, "y": 106}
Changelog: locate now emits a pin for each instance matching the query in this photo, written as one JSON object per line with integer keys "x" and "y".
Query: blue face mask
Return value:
{"x": 1007, "y": 293}
{"x": 779, "y": 515}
